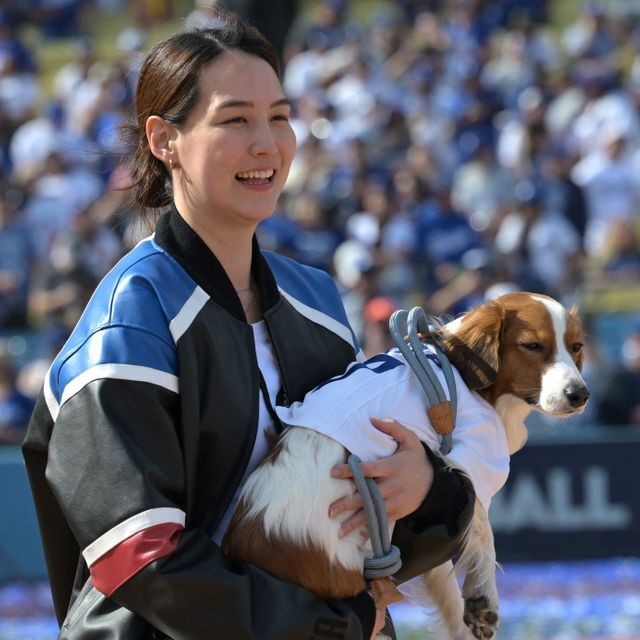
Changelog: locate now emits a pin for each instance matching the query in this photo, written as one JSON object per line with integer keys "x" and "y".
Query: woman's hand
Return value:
{"x": 404, "y": 478}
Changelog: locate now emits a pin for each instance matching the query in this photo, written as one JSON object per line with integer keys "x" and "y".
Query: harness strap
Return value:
{"x": 441, "y": 411}
{"x": 386, "y": 556}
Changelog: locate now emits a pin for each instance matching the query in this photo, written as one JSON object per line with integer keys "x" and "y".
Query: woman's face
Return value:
{"x": 236, "y": 146}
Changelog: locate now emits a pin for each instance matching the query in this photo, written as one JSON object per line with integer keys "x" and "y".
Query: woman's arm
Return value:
{"x": 431, "y": 503}
{"x": 117, "y": 470}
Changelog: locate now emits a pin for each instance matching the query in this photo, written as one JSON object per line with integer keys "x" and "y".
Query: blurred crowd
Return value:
{"x": 448, "y": 152}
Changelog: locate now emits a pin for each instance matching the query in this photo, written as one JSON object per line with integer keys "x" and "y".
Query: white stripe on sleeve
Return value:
{"x": 129, "y": 527}
{"x": 121, "y": 372}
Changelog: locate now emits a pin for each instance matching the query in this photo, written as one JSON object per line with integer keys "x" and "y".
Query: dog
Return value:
{"x": 519, "y": 353}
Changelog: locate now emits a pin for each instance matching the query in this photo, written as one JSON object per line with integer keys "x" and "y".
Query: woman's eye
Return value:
{"x": 238, "y": 120}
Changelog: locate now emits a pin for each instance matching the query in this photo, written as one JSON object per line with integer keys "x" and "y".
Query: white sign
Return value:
{"x": 549, "y": 504}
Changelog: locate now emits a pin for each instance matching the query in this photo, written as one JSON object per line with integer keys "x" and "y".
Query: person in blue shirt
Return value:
{"x": 15, "y": 407}
{"x": 443, "y": 237}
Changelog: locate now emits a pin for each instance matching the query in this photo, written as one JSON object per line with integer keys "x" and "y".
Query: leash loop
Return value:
{"x": 386, "y": 556}
{"x": 441, "y": 414}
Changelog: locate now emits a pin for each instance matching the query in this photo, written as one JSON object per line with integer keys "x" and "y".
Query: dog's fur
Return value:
{"x": 520, "y": 352}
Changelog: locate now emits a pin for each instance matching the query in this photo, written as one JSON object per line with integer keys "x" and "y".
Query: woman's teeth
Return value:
{"x": 255, "y": 175}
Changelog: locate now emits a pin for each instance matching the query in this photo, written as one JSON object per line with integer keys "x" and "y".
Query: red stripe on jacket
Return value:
{"x": 115, "y": 567}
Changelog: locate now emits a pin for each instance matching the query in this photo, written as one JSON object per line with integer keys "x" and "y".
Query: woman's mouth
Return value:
{"x": 256, "y": 178}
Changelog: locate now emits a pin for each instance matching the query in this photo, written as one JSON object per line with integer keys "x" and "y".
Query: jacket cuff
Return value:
{"x": 447, "y": 498}
{"x": 364, "y": 607}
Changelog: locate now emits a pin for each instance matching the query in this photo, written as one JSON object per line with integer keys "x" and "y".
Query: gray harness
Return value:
{"x": 406, "y": 328}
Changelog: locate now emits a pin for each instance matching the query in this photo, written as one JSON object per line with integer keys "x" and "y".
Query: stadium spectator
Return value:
{"x": 387, "y": 233}
{"x": 608, "y": 107}
{"x": 20, "y": 90}
{"x": 37, "y": 138}
{"x": 523, "y": 134}
{"x": 619, "y": 259}
{"x": 590, "y": 35}
{"x": 562, "y": 194}
{"x": 150, "y": 12}
{"x": 17, "y": 259}
{"x": 443, "y": 237}
{"x": 15, "y": 407}
{"x": 58, "y": 18}
{"x": 620, "y": 397}
{"x": 315, "y": 238}
{"x": 11, "y": 45}
{"x": 466, "y": 286}
{"x": 58, "y": 189}
{"x": 481, "y": 188}
{"x": 541, "y": 246}
{"x": 376, "y": 336}
{"x": 63, "y": 286}
{"x": 611, "y": 185}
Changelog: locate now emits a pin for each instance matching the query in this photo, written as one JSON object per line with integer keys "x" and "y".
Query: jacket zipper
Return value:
{"x": 285, "y": 394}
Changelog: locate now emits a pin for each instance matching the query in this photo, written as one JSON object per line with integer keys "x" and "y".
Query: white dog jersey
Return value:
{"x": 385, "y": 387}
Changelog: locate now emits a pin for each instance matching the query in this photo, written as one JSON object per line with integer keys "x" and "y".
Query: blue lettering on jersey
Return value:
{"x": 425, "y": 350}
{"x": 378, "y": 364}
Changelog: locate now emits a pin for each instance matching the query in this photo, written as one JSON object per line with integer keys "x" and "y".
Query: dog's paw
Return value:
{"x": 480, "y": 617}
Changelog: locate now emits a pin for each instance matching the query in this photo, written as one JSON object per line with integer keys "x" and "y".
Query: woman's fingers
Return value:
{"x": 358, "y": 519}
{"x": 353, "y": 523}
{"x": 347, "y": 503}
{"x": 403, "y": 478}
{"x": 397, "y": 431}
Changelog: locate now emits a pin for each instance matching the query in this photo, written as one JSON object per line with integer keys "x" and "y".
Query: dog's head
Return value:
{"x": 524, "y": 345}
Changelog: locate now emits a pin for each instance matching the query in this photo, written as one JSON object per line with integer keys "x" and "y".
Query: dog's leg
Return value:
{"x": 479, "y": 589}
{"x": 442, "y": 591}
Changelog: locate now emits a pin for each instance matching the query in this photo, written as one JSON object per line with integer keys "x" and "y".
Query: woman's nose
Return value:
{"x": 264, "y": 142}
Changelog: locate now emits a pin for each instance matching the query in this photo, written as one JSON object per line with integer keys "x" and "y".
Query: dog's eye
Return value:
{"x": 533, "y": 346}
{"x": 577, "y": 347}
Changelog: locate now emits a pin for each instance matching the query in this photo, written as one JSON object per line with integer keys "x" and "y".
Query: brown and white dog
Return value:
{"x": 520, "y": 352}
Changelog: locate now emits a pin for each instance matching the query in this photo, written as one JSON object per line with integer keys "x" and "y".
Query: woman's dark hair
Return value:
{"x": 168, "y": 87}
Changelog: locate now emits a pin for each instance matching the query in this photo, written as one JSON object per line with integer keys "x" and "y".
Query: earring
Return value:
{"x": 171, "y": 163}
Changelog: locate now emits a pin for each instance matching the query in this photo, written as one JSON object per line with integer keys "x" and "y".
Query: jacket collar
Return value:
{"x": 175, "y": 236}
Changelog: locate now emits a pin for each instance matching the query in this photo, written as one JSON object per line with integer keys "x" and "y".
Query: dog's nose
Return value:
{"x": 576, "y": 394}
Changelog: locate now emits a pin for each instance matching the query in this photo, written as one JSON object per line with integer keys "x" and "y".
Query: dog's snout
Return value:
{"x": 576, "y": 394}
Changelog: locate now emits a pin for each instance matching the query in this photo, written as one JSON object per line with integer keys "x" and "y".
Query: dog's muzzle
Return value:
{"x": 576, "y": 395}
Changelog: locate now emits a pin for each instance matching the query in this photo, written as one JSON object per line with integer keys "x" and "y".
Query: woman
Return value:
{"x": 159, "y": 404}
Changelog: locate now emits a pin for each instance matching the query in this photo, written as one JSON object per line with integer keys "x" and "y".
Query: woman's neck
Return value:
{"x": 232, "y": 248}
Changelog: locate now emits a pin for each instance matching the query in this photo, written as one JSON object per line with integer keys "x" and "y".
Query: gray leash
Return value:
{"x": 386, "y": 556}
{"x": 412, "y": 323}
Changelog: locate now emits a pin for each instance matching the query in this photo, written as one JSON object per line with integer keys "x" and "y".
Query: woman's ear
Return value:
{"x": 472, "y": 344}
{"x": 159, "y": 133}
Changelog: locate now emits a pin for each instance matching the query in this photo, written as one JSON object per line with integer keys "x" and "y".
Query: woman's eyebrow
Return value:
{"x": 245, "y": 103}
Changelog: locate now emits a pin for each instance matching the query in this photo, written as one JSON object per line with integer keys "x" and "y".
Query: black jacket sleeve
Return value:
{"x": 116, "y": 452}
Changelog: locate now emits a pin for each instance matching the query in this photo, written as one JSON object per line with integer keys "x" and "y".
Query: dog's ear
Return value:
{"x": 472, "y": 344}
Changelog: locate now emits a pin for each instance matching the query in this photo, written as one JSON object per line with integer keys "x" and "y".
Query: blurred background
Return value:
{"x": 448, "y": 152}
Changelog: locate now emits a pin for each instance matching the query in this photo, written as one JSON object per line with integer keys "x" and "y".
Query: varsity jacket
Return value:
{"x": 143, "y": 430}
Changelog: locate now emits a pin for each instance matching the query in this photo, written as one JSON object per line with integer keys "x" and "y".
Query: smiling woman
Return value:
{"x": 231, "y": 155}
{"x": 161, "y": 402}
